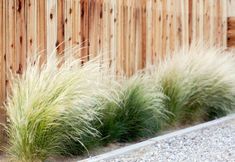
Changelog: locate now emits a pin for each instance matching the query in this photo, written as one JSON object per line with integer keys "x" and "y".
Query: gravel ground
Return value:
{"x": 213, "y": 144}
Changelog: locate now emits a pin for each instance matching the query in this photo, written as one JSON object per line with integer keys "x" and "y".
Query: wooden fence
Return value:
{"x": 131, "y": 34}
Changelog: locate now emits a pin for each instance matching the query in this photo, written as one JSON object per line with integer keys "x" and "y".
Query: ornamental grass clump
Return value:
{"x": 199, "y": 83}
{"x": 137, "y": 112}
{"x": 50, "y": 104}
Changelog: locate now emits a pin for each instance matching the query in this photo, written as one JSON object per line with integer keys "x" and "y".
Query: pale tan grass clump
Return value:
{"x": 49, "y": 106}
{"x": 199, "y": 83}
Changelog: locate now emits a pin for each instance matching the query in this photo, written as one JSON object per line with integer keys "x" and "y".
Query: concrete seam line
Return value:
{"x": 133, "y": 147}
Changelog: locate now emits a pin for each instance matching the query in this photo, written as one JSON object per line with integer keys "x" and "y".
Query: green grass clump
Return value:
{"x": 137, "y": 112}
{"x": 49, "y": 106}
{"x": 199, "y": 84}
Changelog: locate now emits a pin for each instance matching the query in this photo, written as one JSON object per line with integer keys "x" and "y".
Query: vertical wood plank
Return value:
{"x": 2, "y": 53}
{"x": 68, "y": 27}
{"x": 173, "y": 30}
{"x": 41, "y": 29}
{"x": 120, "y": 36}
{"x": 105, "y": 34}
{"x": 159, "y": 24}
{"x": 212, "y": 15}
{"x": 92, "y": 28}
{"x": 149, "y": 55}
{"x": 60, "y": 43}
{"x": 3, "y": 11}
{"x": 163, "y": 26}
{"x": 138, "y": 38}
{"x": 207, "y": 26}
{"x": 125, "y": 29}
{"x": 128, "y": 37}
{"x": 185, "y": 23}
{"x": 84, "y": 28}
{"x": 133, "y": 37}
{"x": 143, "y": 34}
{"x": 76, "y": 20}
{"x": 201, "y": 21}
{"x": 190, "y": 21}
{"x": 31, "y": 12}
{"x": 194, "y": 19}
{"x": 155, "y": 32}
{"x": 10, "y": 42}
{"x": 20, "y": 35}
{"x": 224, "y": 21}
{"x": 101, "y": 31}
{"x": 168, "y": 26}
{"x": 217, "y": 23}
{"x": 113, "y": 35}
{"x": 51, "y": 18}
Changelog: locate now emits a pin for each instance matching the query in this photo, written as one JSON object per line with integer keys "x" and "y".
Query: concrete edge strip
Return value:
{"x": 133, "y": 147}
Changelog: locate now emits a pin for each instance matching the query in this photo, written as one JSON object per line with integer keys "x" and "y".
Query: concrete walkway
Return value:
{"x": 209, "y": 142}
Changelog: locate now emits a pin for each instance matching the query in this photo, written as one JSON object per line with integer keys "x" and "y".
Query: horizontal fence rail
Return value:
{"x": 130, "y": 34}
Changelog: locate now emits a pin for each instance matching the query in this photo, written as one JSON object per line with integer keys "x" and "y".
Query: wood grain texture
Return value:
{"x": 11, "y": 62}
{"x": 68, "y": 12}
{"x": 31, "y": 22}
{"x": 41, "y": 29}
{"x": 60, "y": 43}
{"x": 21, "y": 48}
{"x": 51, "y": 18}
